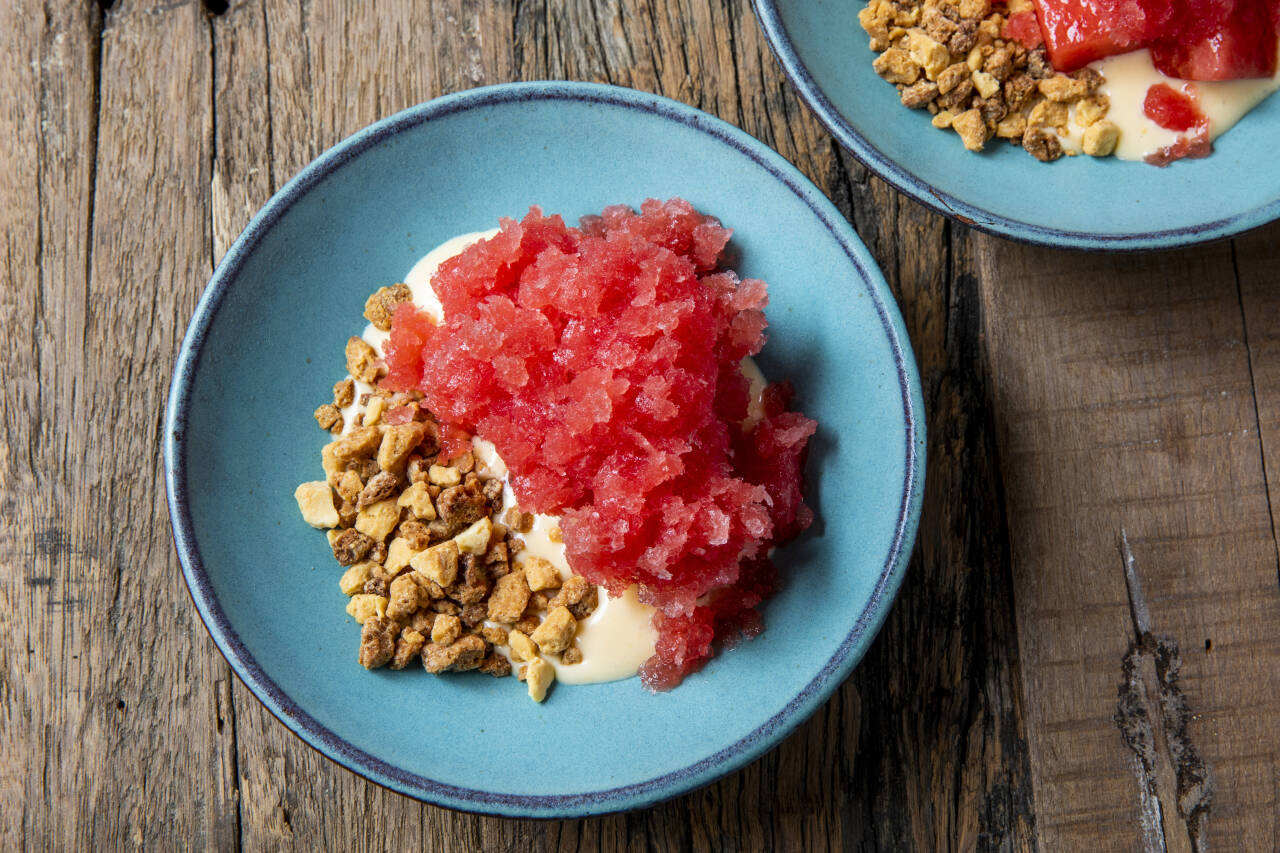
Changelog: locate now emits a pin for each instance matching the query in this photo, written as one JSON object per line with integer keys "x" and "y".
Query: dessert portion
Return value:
{"x": 1143, "y": 79}
{"x": 563, "y": 397}
{"x": 981, "y": 71}
{"x": 1181, "y": 73}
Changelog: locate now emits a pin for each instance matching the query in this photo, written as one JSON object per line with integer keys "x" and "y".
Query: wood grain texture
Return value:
{"x": 1257, "y": 266}
{"x": 1126, "y": 408}
{"x": 117, "y": 692}
{"x": 1069, "y": 397}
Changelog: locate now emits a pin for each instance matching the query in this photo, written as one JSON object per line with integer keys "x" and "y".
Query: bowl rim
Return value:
{"x": 974, "y": 216}
{"x": 635, "y": 795}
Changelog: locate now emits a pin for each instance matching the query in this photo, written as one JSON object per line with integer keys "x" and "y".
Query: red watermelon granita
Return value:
{"x": 605, "y": 364}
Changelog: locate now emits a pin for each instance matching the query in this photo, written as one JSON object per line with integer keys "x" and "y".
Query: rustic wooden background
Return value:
{"x": 1027, "y": 691}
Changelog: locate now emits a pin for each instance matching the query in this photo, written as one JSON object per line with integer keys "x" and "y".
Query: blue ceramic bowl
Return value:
{"x": 1077, "y": 202}
{"x": 265, "y": 347}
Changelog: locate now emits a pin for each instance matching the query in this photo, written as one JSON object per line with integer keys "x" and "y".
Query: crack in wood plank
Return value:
{"x": 1257, "y": 407}
{"x": 1174, "y": 784}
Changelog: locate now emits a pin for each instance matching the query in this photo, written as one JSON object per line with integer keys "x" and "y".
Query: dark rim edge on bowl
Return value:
{"x": 622, "y": 798}
{"x": 976, "y": 217}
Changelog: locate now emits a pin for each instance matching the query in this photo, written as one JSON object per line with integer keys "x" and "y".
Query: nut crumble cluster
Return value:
{"x": 952, "y": 58}
{"x": 430, "y": 574}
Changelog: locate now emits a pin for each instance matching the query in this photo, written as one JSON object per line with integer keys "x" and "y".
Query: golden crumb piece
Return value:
{"x": 896, "y": 66}
{"x": 571, "y": 655}
{"x": 381, "y": 486}
{"x": 377, "y": 642}
{"x": 443, "y": 475}
{"x": 952, "y": 76}
{"x": 349, "y": 487}
{"x": 434, "y": 591}
{"x": 315, "y": 502}
{"x": 1042, "y": 144}
{"x": 407, "y": 647}
{"x": 418, "y": 500}
{"x": 1020, "y": 91}
{"x": 373, "y": 411}
{"x": 906, "y": 16}
{"x": 943, "y": 119}
{"x": 579, "y": 595}
{"x": 1092, "y": 109}
{"x": 417, "y": 534}
{"x": 397, "y": 442}
{"x": 475, "y": 539}
{"x": 460, "y": 506}
{"x": 972, "y": 129}
{"x": 351, "y": 546}
{"x": 920, "y": 94}
{"x": 985, "y": 84}
{"x": 522, "y": 648}
{"x": 377, "y": 520}
{"x": 555, "y": 534}
{"x": 344, "y": 393}
{"x": 406, "y": 598}
{"x": 509, "y": 598}
{"x": 875, "y": 18}
{"x": 1100, "y": 139}
{"x": 931, "y": 56}
{"x": 520, "y": 522}
{"x": 438, "y": 563}
{"x": 354, "y": 578}
{"x": 974, "y": 9}
{"x": 1000, "y": 64}
{"x": 1048, "y": 114}
{"x": 1062, "y": 89}
{"x": 328, "y": 417}
{"x": 363, "y": 606}
{"x": 362, "y": 360}
{"x": 494, "y": 635}
{"x": 382, "y": 303}
{"x": 1011, "y": 126}
{"x": 357, "y": 444}
{"x": 556, "y": 631}
{"x": 446, "y": 629}
{"x": 399, "y": 553}
{"x": 538, "y": 674}
{"x": 540, "y": 573}
{"x": 463, "y": 654}
{"x": 423, "y": 621}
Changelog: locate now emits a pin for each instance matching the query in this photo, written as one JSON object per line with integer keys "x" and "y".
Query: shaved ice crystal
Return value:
{"x": 604, "y": 363}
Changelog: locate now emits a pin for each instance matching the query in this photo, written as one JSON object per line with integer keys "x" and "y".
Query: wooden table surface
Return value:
{"x": 1084, "y": 653}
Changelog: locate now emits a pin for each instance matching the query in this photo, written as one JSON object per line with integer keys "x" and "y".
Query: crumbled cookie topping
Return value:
{"x": 382, "y": 304}
{"x": 432, "y": 574}
{"x": 949, "y": 57}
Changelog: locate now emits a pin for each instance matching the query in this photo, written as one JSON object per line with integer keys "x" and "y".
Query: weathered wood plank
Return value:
{"x": 1126, "y": 409}
{"x": 1257, "y": 257}
{"x": 122, "y": 701}
{"x": 46, "y": 114}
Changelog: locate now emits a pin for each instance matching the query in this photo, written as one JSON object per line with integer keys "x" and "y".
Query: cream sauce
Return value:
{"x": 615, "y": 639}
{"x": 1130, "y": 75}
